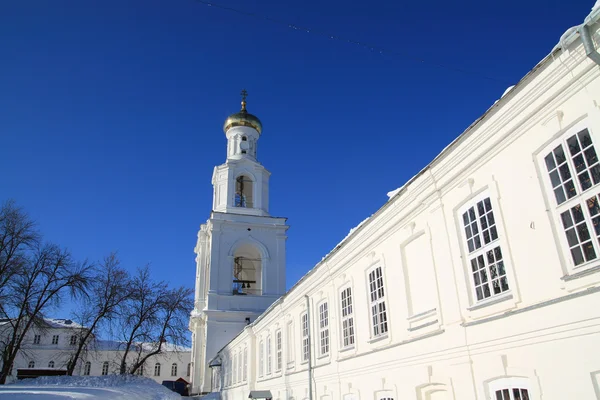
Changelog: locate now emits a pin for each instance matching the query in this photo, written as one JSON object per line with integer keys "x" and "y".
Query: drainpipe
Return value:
{"x": 588, "y": 43}
{"x": 310, "y": 392}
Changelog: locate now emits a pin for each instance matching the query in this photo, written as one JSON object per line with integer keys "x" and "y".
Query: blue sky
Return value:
{"x": 111, "y": 111}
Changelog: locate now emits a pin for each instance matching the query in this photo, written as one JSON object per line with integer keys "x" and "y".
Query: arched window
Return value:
{"x": 243, "y": 192}
{"x": 157, "y": 369}
{"x": 31, "y": 364}
{"x": 87, "y": 368}
{"x": 174, "y": 369}
{"x": 51, "y": 364}
{"x": 247, "y": 267}
{"x": 105, "y": 368}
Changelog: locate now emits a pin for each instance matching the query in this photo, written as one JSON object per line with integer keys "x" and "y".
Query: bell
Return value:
{"x": 243, "y": 285}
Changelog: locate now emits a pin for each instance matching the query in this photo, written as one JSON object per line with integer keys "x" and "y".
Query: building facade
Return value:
{"x": 240, "y": 252}
{"x": 478, "y": 279}
{"x": 51, "y": 344}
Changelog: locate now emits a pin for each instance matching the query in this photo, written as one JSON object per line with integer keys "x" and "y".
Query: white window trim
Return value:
{"x": 269, "y": 355}
{"x": 305, "y": 338}
{"x": 278, "y": 350}
{"x": 380, "y": 335}
{"x": 348, "y": 317}
{"x": 555, "y": 210}
{"x": 289, "y": 344}
{"x": 245, "y": 369}
{"x": 500, "y": 241}
{"x": 323, "y": 328}
{"x": 261, "y": 352}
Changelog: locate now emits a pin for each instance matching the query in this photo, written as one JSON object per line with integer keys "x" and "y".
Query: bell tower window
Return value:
{"x": 247, "y": 272}
{"x": 243, "y": 192}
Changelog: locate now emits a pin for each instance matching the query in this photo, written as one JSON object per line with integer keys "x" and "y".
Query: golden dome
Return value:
{"x": 243, "y": 118}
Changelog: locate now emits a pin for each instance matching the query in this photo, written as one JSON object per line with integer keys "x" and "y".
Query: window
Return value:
{"x": 73, "y": 340}
{"x": 105, "y": 368}
{"x": 87, "y": 367}
{"x": 239, "y": 371}
{"x": 157, "y": 369}
{"x": 347, "y": 318}
{"x": 17, "y": 337}
{"x": 278, "y": 344}
{"x": 51, "y": 364}
{"x": 305, "y": 347}
{"x": 324, "y": 328}
{"x": 573, "y": 176}
{"x": 289, "y": 343}
{"x": 269, "y": 360}
{"x": 512, "y": 388}
{"x": 261, "y": 358}
{"x": 140, "y": 370}
{"x": 55, "y": 339}
{"x": 174, "y": 369}
{"x": 37, "y": 339}
{"x": 31, "y": 364}
{"x": 243, "y": 192}
{"x": 512, "y": 394}
{"x": 245, "y": 369}
{"x": 235, "y": 376}
{"x": 189, "y": 369}
{"x": 485, "y": 260}
{"x": 379, "y": 325}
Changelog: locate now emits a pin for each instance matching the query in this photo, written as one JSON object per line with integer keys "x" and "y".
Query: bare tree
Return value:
{"x": 18, "y": 236}
{"x": 43, "y": 276}
{"x": 152, "y": 316}
{"x": 109, "y": 287}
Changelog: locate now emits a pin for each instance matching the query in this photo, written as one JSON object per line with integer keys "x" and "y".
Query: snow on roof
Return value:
{"x": 62, "y": 323}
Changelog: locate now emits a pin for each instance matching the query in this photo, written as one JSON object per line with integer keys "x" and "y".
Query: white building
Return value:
{"x": 478, "y": 279}
{"x": 51, "y": 345}
{"x": 240, "y": 262}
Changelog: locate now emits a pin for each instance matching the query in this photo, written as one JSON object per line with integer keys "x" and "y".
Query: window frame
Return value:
{"x": 174, "y": 369}
{"x": 157, "y": 367}
{"x": 261, "y": 360}
{"x": 289, "y": 344}
{"x": 55, "y": 339}
{"x": 347, "y": 317}
{"x": 581, "y": 198}
{"x": 245, "y": 368}
{"x": 269, "y": 354}
{"x": 37, "y": 339}
{"x": 479, "y": 254}
{"x": 278, "y": 350}
{"x": 323, "y": 328}
{"x": 305, "y": 342}
{"x": 375, "y": 324}
{"x": 87, "y": 368}
{"x": 105, "y": 367}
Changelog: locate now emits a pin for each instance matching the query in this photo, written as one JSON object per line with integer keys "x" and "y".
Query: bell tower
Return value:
{"x": 240, "y": 251}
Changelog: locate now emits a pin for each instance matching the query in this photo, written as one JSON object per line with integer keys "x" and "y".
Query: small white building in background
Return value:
{"x": 478, "y": 279}
{"x": 51, "y": 345}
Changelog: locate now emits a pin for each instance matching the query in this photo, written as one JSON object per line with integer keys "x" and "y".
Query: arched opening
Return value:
{"x": 247, "y": 271}
{"x": 243, "y": 192}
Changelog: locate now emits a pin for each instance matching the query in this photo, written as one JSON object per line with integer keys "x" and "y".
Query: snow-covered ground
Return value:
{"x": 117, "y": 387}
